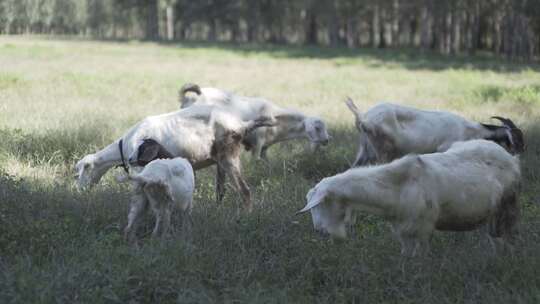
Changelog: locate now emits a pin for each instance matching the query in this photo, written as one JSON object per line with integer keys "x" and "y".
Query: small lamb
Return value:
{"x": 165, "y": 184}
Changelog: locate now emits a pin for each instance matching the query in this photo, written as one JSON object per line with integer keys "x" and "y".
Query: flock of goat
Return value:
{"x": 420, "y": 170}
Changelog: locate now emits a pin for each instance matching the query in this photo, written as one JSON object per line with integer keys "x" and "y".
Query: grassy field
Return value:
{"x": 62, "y": 99}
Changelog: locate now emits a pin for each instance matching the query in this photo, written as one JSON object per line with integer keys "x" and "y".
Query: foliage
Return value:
{"x": 503, "y": 27}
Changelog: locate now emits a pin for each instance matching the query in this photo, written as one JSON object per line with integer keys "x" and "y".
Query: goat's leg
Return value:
{"x": 159, "y": 224}
{"x": 137, "y": 207}
{"x": 220, "y": 183}
{"x": 166, "y": 222}
{"x": 367, "y": 153}
{"x": 232, "y": 167}
{"x": 158, "y": 210}
{"x": 263, "y": 154}
{"x": 187, "y": 224}
{"x": 257, "y": 151}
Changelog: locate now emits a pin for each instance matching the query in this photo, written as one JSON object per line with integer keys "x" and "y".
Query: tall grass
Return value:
{"x": 62, "y": 99}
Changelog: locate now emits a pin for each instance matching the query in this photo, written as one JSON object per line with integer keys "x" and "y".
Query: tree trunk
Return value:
{"x": 395, "y": 23}
{"x": 212, "y": 33}
{"x": 312, "y": 28}
{"x": 152, "y": 26}
{"x": 252, "y": 20}
{"x": 333, "y": 28}
{"x": 456, "y": 32}
{"x": 426, "y": 25}
{"x": 169, "y": 12}
{"x": 474, "y": 28}
{"x": 375, "y": 27}
{"x": 385, "y": 36}
{"x": 352, "y": 33}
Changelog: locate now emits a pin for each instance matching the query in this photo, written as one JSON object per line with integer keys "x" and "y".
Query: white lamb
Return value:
{"x": 472, "y": 183}
{"x": 164, "y": 184}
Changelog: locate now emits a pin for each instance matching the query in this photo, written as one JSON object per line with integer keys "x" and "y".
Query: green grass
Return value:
{"x": 62, "y": 99}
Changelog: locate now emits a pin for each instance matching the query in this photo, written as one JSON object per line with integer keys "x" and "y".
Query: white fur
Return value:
{"x": 459, "y": 189}
{"x": 290, "y": 124}
{"x": 389, "y": 131}
{"x": 163, "y": 184}
{"x": 187, "y": 133}
{"x": 191, "y": 133}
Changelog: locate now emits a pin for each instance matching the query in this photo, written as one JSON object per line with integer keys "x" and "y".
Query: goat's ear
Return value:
{"x": 519, "y": 142}
{"x": 147, "y": 153}
{"x": 314, "y": 198}
{"x": 190, "y": 87}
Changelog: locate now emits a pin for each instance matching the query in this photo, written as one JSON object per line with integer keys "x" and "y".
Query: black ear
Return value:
{"x": 148, "y": 151}
{"x": 519, "y": 142}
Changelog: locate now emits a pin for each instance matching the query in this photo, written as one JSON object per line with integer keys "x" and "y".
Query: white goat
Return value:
{"x": 290, "y": 124}
{"x": 389, "y": 131}
{"x": 163, "y": 184}
{"x": 472, "y": 183}
{"x": 204, "y": 135}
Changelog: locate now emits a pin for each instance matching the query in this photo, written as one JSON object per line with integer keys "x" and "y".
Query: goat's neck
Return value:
{"x": 486, "y": 133}
{"x": 372, "y": 200}
{"x": 108, "y": 157}
{"x": 289, "y": 127}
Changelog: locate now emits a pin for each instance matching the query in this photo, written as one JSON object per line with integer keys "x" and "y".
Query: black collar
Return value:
{"x": 123, "y": 165}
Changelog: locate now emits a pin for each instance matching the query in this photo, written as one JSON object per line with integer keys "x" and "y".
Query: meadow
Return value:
{"x": 62, "y": 99}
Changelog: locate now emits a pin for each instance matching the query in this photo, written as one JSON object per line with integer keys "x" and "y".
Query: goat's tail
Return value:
{"x": 190, "y": 87}
{"x": 357, "y": 114}
{"x": 157, "y": 187}
{"x": 507, "y": 215}
{"x": 314, "y": 197}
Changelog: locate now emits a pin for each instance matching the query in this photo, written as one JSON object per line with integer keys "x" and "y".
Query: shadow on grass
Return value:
{"x": 62, "y": 246}
{"x": 409, "y": 58}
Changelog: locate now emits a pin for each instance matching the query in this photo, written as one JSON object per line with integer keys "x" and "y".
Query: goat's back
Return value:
{"x": 175, "y": 175}
{"x": 413, "y": 130}
{"x": 467, "y": 183}
{"x": 248, "y": 108}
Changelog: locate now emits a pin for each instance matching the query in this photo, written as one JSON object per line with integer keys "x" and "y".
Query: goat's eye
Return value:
{"x": 86, "y": 166}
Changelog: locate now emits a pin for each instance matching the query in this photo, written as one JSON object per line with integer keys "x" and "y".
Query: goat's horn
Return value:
{"x": 190, "y": 87}
{"x": 505, "y": 121}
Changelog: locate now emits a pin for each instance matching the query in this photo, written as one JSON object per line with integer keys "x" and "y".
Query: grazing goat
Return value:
{"x": 389, "y": 131}
{"x": 472, "y": 183}
{"x": 163, "y": 184}
{"x": 290, "y": 124}
{"x": 204, "y": 135}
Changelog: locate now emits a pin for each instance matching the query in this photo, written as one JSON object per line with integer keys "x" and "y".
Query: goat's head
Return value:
{"x": 516, "y": 143}
{"x": 184, "y": 100}
{"x": 147, "y": 151}
{"x": 316, "y": 131}
{"x": 88, "y": 172}
{"x": 327, "y": 216}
